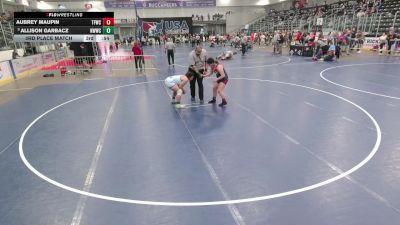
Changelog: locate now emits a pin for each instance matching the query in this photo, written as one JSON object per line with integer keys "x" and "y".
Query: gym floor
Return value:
{"x": 299, "y": 142}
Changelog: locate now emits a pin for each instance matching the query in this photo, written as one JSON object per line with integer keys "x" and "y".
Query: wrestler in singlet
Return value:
{"x": 225, "y": 79}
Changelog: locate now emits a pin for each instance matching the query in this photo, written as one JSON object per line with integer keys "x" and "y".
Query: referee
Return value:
{"x": 170, "y": 50}
{"x": 197, "y": 62}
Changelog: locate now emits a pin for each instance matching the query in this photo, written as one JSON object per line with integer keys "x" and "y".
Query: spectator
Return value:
{"x": 361, "y": 14}
{"x": 277, "y": 43}
{"x": 382, "y": 42}
{"x": 378, "y": 4}
{"x": 198, "y": 39}
{"x": 391, "y": 39}
{"x": 353, "y": 38}
{"x": 330, "y": 54}
{"x": 243, "y": 42}
{"x": 360, "y": 40}
{"x": 3, "y": 17}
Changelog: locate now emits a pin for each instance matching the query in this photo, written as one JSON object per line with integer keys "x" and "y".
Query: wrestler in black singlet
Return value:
{"x": 225, "y": 79}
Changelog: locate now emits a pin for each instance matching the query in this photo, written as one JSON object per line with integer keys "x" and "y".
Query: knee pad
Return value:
{"x": 179, "y": 92}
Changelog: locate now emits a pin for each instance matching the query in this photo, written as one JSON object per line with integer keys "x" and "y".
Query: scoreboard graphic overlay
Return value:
{"x": 64, "y": 26}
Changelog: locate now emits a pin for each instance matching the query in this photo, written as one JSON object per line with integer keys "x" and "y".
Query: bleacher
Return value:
{"x": 6, "y": 32}
{"x": 337, "y": 16}
{"x": 390, "y": 16}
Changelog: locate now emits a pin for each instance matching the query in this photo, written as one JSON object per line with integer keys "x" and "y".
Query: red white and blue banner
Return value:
{"x": 169, "y": 4}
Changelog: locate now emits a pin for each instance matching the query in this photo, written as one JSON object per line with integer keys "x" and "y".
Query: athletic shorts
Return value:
{"x": 169, "y": 83}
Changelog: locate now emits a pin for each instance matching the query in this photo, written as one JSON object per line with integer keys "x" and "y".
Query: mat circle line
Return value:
{"x": 206, "y": 203}
{"x": 355, "y": 89}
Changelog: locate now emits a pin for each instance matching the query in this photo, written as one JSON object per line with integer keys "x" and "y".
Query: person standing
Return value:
{"x": 170, "y": 51}
{"x": 262, "y": 39}
{"x": 243, "y": 42}
{"x": 276, "y": 42}
{"x": 359, "y": 40}
{"x": 197, "y": 62}
{"x": 391, "y": 40}
{"x": 382, "y": 42}
{"x": 197, "y": 39}
{"x": 219, "y": 83}
{"x": 193, "y": 40}
{"x": 137, "y": 52}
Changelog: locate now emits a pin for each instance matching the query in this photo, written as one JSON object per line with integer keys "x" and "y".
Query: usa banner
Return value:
{"x": 170, "y": 26}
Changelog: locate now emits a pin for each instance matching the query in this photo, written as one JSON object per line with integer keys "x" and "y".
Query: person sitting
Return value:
{"x": 15, "y": 54}
{"x": 333, "y": 52}
{"x": 330, "y": 54}
{"x": 327, "y": 52}
{"x": 321, "y": 50}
